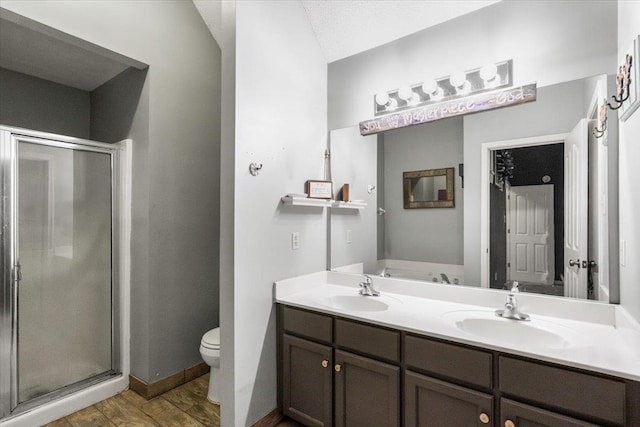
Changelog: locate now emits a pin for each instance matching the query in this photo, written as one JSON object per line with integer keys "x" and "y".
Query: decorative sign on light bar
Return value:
{"x": 451, "y": 108}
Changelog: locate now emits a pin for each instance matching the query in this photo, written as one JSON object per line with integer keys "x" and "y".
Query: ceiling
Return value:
{"x": 346, "y": 27}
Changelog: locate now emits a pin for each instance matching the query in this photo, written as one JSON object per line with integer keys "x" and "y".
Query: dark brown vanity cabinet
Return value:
{"x": 344, "y": 373}
{"x": 431, "y": 402}
{"x": 323, "y": 379}
{"x": 307, "y": 376}
{"x": 367, "y": 392}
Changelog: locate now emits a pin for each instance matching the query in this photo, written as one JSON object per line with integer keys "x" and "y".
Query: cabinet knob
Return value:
{"x": 484, "y": 418}
{"x": 337, "y": 368}
{"x": 325, "y": 363}
{"x": 509, "y": 423}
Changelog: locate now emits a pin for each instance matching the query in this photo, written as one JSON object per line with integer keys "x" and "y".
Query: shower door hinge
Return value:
{"x": 17, "y": 273}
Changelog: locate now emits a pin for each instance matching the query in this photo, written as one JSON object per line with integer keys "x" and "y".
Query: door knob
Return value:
{"x": 575, "y": 263}
{"x": 325, "y": 363}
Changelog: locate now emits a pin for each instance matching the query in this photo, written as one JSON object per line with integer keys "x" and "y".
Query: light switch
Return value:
{"x": 295, "y": 240}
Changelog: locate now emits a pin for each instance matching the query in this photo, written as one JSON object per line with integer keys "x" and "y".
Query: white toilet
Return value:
{"x": 210, "y": 352}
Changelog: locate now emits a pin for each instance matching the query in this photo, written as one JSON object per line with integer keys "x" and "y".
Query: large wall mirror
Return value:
{"x": 537, "y": 203}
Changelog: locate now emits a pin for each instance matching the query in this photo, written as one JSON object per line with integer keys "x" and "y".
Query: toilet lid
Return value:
{"x": 212, "y": 338}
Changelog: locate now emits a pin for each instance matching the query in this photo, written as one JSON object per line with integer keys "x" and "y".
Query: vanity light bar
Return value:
{"x": 450, "y": 108}
{"x": 487, "y": 78}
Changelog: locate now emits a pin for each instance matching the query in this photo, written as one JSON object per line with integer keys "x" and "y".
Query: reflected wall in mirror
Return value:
{"x": 430, "y": 188}
{"x": 459, "y": 246}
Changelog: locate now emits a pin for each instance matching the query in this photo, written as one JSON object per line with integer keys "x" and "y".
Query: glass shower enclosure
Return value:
{"x": 59, "y": 294}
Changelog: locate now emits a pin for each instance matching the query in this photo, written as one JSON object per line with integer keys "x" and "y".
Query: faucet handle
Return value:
{"x": 368, "y": 279}
{"x": 515, "y": 286}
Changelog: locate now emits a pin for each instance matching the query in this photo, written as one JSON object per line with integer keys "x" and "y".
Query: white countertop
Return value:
{"x": 600, "y": 337}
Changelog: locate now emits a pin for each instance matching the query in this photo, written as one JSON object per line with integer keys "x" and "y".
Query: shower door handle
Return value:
{"x": 17, "y": 273}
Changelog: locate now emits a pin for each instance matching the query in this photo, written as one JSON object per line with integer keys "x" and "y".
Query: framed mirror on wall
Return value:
{"x": 430, "y": 188}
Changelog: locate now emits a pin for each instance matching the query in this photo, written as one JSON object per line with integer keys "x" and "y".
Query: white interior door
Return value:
{"x": 576, "y": 211}
{"x": 531, "y": 234}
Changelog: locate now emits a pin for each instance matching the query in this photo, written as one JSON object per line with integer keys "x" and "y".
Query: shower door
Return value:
{"x": 58, "y": 280}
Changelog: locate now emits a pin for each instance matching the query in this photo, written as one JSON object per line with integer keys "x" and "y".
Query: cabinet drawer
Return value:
{"x": 566, "y": 390}
{"x": 449, "y": 360}
{"x": 307, "y": 324}
{"x": 520, "y": 414}
{"x": 370, "y": 340}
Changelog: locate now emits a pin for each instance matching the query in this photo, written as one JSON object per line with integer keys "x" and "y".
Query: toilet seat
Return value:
{"x": 211, "y": 339}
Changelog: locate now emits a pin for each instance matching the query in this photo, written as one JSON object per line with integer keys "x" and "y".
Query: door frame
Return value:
{"x": 38, "y": 411}
{"x": 485, "y": 163}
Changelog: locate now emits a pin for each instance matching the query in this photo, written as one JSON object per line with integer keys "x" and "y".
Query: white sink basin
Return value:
{"x": 533, "y": 334}
{"x": 359, "y": 302}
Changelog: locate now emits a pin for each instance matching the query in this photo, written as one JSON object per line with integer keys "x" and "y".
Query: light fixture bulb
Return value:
{"x": 382, "y": 98}
{"x": 458, "y": 79}
{"x": 488, "y": 72}
{"x": 405, "y": 93}
{"x": 430, "y": 87}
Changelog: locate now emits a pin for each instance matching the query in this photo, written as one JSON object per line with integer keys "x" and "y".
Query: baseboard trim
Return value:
{"x": 149, "y": 391}
{"x": 269, "y": 420}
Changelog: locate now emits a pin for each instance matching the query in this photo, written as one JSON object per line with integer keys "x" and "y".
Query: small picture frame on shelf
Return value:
{"x": 319, "y": 189}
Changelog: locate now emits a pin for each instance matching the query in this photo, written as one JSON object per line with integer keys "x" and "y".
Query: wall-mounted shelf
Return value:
{"x": 322, "y": 203}
{"x": 348, "y": 205}
{"x": 305, "y": 201}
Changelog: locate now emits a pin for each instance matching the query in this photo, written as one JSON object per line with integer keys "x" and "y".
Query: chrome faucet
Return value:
{"x": 366, "y": 287}
{"x": 445, "y": 278}
{"x": 511, "y": 306}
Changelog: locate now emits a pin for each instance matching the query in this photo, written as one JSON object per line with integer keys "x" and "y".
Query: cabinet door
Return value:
{"x": 306, "y": 381}
{"x": 431, "y": 402}
{"x": 514, "y": 414}
{"x": 367, "y": 392}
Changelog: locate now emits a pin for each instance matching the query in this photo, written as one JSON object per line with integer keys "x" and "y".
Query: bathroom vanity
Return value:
{"x": 408, "y": 358}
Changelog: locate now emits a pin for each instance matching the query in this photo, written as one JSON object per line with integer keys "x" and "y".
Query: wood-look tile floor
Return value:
{"x": 186, "y": 405}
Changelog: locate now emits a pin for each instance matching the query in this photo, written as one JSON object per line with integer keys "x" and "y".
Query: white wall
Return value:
{"x": 280, "y": 121}
{"x": 629, "y": 156}
{"x": 429, "y": 235}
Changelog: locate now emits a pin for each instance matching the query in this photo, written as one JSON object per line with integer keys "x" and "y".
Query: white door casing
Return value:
{"x": 530, "y": 237}
{"x": 576, "y": 211}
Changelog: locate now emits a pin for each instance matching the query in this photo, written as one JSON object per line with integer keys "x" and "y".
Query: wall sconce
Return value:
{"x": 602, "y": 121}
{"x": 623, "y": 81}
{"x": 490, "y": 76}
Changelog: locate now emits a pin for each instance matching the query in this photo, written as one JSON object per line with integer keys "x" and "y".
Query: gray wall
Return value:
{"x": 353, "y": 162}
{"x": 33, "y": 103}
{"x": 174, "y": 283}
{"x": 114, "y": 105}
{"x": 429, "y": 235}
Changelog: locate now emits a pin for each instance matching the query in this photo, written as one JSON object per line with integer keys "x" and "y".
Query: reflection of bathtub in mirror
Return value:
{"x": 412, "y": 270}
{"x": 426, "y": 271}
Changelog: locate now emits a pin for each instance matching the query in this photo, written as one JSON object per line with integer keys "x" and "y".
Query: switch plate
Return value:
{"x": 295, "y": 240}
{"x": 349, "y": 236}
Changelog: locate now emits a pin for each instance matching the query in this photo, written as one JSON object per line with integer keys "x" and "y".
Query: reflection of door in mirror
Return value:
{"x": 527, "y": 218}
